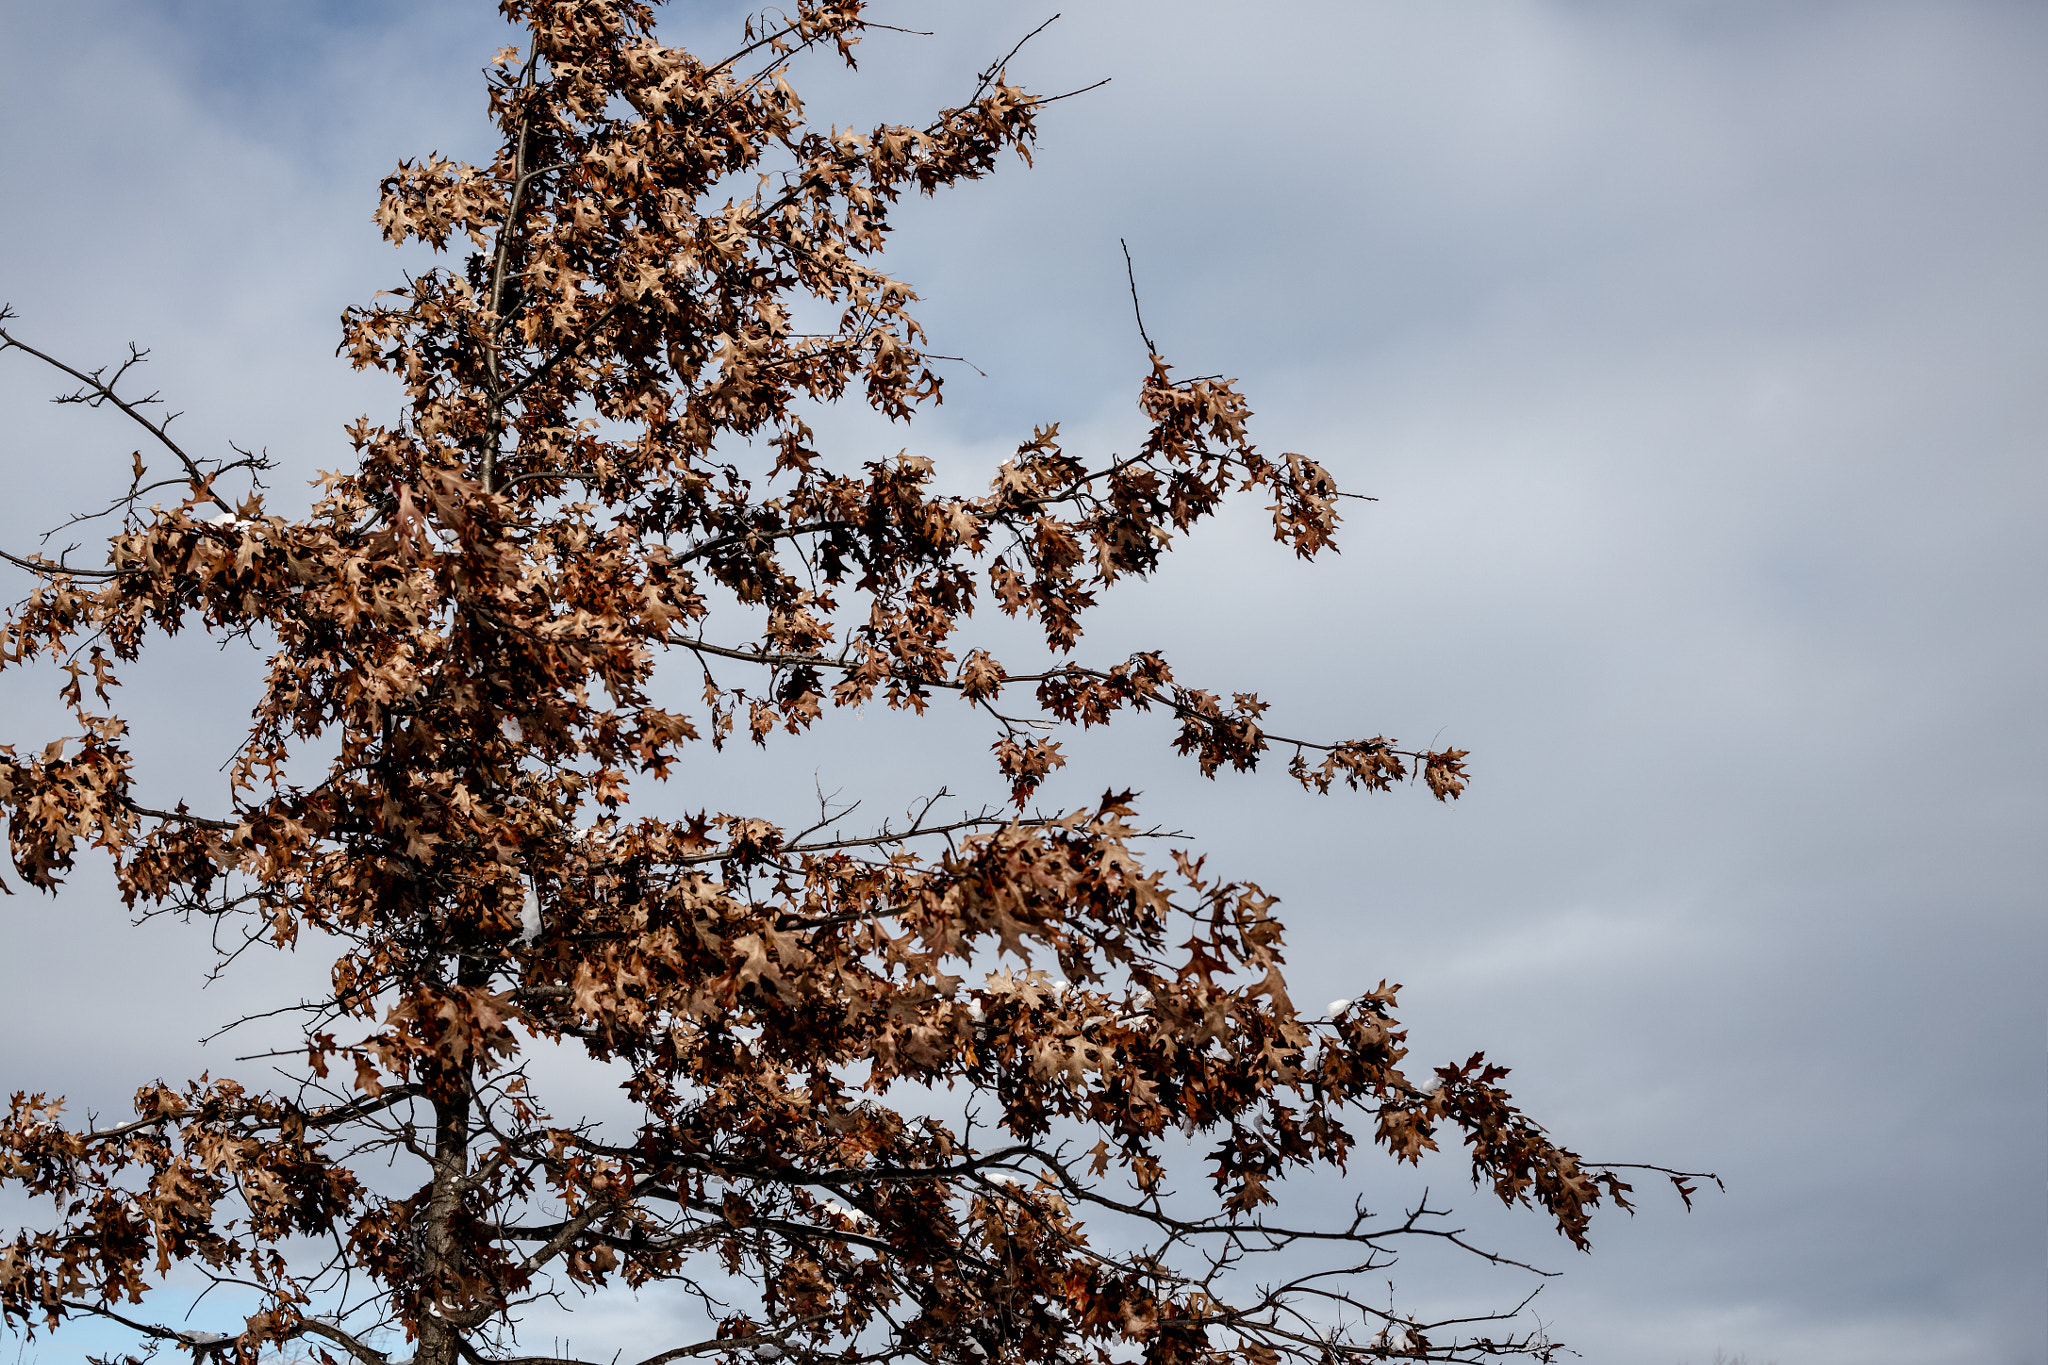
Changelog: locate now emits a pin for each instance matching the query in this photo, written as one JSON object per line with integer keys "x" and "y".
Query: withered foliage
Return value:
{"x": 603, "y": 464}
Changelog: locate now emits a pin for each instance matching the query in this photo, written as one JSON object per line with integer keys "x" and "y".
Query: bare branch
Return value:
{"x": 97, "y": 392}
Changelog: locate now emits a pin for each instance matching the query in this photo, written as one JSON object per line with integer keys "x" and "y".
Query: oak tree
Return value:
{"x": 603, "y": 472}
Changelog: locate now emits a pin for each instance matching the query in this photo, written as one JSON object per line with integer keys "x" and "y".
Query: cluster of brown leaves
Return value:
{"x": 604, "y": 440}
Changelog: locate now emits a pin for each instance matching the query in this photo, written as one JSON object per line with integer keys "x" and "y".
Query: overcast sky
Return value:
{"x": 1695, "y": 353}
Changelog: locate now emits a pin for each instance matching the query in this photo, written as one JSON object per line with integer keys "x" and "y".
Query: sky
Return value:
{"x": 1694, "y": 354}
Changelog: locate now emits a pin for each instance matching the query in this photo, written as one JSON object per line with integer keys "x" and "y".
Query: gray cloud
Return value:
{"x": 1694, "y": 353}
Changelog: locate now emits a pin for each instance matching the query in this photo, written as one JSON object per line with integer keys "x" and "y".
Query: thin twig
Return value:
{"x": 1132, "y": 275}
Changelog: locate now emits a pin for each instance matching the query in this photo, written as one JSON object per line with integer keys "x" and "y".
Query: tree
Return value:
{"x": 603, "y": 464}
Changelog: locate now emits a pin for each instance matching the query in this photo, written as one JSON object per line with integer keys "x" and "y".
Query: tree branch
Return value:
{"x": 104, "y": 393}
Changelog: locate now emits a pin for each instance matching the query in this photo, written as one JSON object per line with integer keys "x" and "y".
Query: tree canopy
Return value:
{"x": 604, "y": 470}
